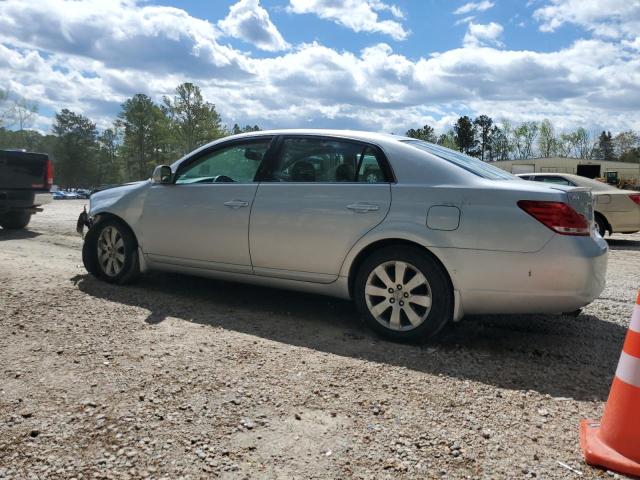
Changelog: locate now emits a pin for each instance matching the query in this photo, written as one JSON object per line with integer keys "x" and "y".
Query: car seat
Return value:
{"x": 303, "y": 171}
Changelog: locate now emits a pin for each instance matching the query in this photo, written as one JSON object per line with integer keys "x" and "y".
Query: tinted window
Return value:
{"x": 236, "y": 163}
{"x": 369, "y": 171}
{"x": 473, "y": 165}
{"x": 556, "y": 180}
{"x": 327, "y": 161}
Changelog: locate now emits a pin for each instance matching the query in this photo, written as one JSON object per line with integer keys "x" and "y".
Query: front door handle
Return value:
{"x": 363, "y": 207}
{"x": 236, "y": 203}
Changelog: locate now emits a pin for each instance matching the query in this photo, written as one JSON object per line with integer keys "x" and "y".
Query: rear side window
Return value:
{"x": 470, "y": 164}
{"x": 326, "y": 160}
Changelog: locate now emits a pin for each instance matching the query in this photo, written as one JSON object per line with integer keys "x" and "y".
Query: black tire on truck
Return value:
{"x": 15, "y": 220}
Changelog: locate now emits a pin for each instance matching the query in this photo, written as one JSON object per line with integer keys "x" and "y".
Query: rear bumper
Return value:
{"x": 567, "y": 274}
{"x": 22, "y": 199}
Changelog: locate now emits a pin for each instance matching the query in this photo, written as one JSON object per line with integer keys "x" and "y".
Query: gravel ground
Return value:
{"x": 181, "y": 377}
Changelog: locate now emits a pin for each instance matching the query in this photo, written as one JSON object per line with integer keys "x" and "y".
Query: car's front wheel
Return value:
{"x": 403, "y": 293}
{"x": 110, "y": 252}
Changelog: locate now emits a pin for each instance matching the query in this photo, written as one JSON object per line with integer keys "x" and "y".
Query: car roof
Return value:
{"x": 352, "y": 134}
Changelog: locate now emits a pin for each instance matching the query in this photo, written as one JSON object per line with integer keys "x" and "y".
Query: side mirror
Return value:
{"x": 161, "y": 174}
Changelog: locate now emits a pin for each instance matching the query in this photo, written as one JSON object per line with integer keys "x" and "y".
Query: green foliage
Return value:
{"x": 75, "y": 150}
{"x": 193, "y": 120}
{"x": 448, "y": 140}
{"x": 547, "y": 142}
{"x": 465, "y": 136}
{"x": 604, "y": 150}
{"x": 248, "y": 128}
{"x": 632, "y": 155}
{"x": 501, "y": 147}
{"x": 426, "y": 133}
{"x": 523, "y": 137}
{"x": 484, "y": 131}
{"x": 625, "y": 144}
{"x": 146, "y": 136}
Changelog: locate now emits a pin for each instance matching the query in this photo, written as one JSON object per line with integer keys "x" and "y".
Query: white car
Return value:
{"x": 416, "y": 234}
{"x": 616, "y": 211}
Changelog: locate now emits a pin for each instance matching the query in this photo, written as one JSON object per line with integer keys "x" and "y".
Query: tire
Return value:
{"x": 402, "y": 319}
{"x": 603, "y": 226}
{"x": 111, "y": 239}
{"x": 15, "y": 220}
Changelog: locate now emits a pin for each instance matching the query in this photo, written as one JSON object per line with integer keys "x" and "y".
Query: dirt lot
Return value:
{"x": 180, "y": 377}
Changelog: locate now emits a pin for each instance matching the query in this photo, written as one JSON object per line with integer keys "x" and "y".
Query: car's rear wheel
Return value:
{"x": 403, "y": 293}
{"x": 603, "y": 226}
{"x": 15, "y": 220}
{"x": 110, "y": 252}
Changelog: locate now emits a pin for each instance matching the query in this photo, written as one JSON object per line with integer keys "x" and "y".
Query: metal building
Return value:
{"x": 612, "y": 171}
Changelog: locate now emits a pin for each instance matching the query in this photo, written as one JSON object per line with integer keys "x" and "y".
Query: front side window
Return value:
{"x": 237, "y": 163}
{"x": 324, "y": 160}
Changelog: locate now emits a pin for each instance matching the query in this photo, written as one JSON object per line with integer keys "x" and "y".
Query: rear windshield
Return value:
{"x": 470, "y": 164}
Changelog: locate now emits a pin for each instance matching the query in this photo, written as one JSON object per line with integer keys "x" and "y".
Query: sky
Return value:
{"x": 379, "y": 65}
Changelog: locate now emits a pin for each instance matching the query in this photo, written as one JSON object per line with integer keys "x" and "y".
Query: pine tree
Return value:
{"x": 465, "y": 135}
{"x": 426, "y": 133}
{"x": 483, "y": 125}
{"x": 75, "y": 149}
{"x": 604, "y": 151}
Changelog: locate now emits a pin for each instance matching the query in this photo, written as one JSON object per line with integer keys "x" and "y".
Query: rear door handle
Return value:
{"x": 363, "y": 207}
{"x": 236, "y": 203}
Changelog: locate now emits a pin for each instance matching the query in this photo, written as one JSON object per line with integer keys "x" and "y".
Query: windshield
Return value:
{"x": 470, "y": 164}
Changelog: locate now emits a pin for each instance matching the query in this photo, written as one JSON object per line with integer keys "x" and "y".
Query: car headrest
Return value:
{"x": 303, "y": 171}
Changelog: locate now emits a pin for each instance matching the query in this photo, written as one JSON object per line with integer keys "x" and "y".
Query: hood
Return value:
{"x": 121, "y": 195}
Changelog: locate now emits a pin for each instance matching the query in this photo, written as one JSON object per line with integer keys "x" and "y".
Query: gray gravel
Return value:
{"x": 181, "y": 377}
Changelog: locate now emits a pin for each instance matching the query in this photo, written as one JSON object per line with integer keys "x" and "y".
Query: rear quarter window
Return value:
{"x": 470, "y": 164}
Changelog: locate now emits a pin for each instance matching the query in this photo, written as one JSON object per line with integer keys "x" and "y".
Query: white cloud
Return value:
{"x": 607, "y": 18}
{"x": 357, "y": 15}
{"x": 120, "y": 33}
{"x": 483, "y": 34}
{"x": 466, "y": 19}
{"x": 248, "y": 21}
{"x": 592, "y": 83}
{"x": 473, "y": 7}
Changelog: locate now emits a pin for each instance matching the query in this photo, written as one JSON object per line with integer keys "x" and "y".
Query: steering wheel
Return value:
{"x": 223, "y": 179}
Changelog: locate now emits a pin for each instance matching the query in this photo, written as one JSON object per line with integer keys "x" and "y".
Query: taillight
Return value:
{"x": 635, "y": 197}
{"x": 48, "y": 174}
{"x": 557, "y": 216}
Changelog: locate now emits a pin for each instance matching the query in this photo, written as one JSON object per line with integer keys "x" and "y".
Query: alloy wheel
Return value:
{"x": 111, "y": 254}
{"x": 398, "y": 295}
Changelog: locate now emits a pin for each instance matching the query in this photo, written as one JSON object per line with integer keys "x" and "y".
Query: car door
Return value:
{"x": 320, "y": 196}
{"x": 202, "y": 219}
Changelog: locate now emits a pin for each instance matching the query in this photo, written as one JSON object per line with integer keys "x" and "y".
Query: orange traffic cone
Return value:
{"x": 615, "y": 441}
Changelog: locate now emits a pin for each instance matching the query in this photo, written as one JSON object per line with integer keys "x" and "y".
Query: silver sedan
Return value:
{"x": 416, "y": 234}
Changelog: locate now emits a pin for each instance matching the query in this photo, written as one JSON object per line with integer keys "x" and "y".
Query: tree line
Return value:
{"x": 143, "y": 135}
{"x": 146, "y": 133}
{"x": 490, "y": 141}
